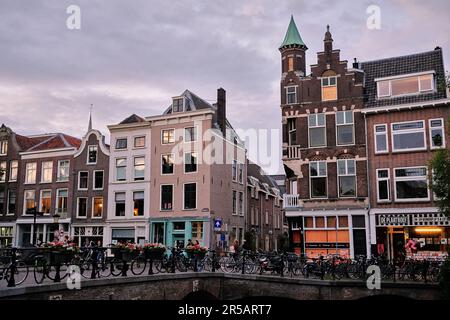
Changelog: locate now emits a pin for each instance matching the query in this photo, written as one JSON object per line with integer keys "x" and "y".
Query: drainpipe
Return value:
{"x": 368, "y": 225}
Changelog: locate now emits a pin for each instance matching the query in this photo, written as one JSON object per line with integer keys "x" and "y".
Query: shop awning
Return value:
{"x": 325, "y": 212}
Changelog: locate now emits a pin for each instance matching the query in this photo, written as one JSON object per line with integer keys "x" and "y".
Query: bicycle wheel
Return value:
{"x": 116, "y": 267}
{"x": 181, "y": 264}
{"x": 39, "y": 271}
{"x": 21, "y": 273}
{"x": 138, "y": 266}
{"x": 161, "y": 266}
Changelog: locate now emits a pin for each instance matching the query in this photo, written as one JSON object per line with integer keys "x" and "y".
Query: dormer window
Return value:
{"x": 405, "y": 85}
{"x": 178, "y": 104}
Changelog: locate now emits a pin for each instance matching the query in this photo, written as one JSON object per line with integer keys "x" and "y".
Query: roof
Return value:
{"x": 254, "y": 170}
{"x": 192, "y": 102}
{"x": 54, "y": 141}
{"x": 292, "y": 36}
{"x": 132, "y": 119}
{"x": 414, "y": 63}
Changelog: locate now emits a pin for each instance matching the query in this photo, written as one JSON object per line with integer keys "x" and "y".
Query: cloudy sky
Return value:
{"x": 133, "y": 56}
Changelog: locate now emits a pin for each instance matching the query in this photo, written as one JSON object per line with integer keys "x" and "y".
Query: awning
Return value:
{"x": 326, "y": 213}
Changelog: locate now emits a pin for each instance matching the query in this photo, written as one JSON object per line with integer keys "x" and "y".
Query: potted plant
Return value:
{"x": 59, "y": 252}
{"x": 126, "y": 252}
{"x": 196, "y": 251}
{"x": 154, "y": 251}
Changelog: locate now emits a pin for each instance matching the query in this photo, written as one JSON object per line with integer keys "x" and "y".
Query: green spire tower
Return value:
{"x": 293, "y": 51}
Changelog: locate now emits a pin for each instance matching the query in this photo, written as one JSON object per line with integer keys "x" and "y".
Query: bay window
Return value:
{"x": 411, "y": 184}
{"x": 383, "y": 183}
{"x": 347, "y": 177}
{"x": 408, "y": 136}
{"x": 318, "y": 179}
{"x": 344, "y": 128}
{"x": 381, "y": 138}
{"x": 317, "y": 130}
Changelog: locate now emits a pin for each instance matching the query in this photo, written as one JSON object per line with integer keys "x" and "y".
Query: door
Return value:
{"x": 178, "y": 240}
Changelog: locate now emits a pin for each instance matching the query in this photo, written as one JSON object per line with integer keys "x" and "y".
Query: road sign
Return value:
{"x": 217, "y": 224}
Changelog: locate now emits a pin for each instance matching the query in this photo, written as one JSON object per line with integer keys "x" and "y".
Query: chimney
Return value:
{"x": 221, "y": 110}
{"x": 355, "y": 64}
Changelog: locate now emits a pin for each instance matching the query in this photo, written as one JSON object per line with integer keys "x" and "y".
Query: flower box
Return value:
{"x": 154, "y": 253}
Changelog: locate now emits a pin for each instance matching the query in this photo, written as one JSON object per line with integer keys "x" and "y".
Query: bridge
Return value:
{"x": 217, "y": 285}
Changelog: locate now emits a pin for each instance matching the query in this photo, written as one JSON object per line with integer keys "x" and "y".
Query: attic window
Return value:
{"x": 405, "y": 85}
{"x": 177, "y": 104}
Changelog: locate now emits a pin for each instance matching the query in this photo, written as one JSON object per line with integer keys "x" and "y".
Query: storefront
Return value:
{"x": 6, "y": 235}
{"x": 45, "y": 230}
{"x": 326, "y": 232}
{"x": 176, "y": 232}
{"x": 419, "y": 233}
{"x": 83, "y": 235}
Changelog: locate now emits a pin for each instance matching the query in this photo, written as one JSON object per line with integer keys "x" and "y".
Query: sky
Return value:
{"x": 133, "y": 56}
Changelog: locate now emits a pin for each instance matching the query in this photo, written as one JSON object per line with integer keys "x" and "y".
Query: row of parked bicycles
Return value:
{"x": 17, "y": 264}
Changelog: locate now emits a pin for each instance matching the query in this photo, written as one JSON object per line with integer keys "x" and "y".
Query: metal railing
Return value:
{"x": 291, "y": 201}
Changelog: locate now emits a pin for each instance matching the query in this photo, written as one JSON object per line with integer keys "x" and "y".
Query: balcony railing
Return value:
{"x": 291, "y": 201}
{"x": 291, "y": 152}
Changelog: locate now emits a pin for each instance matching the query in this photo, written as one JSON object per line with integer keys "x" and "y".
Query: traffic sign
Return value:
{"x": 217, "y": 224}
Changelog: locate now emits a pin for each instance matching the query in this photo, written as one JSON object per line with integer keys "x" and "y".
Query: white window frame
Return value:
{"x": 388, "y": 179}
{"x": 96, "y": 156}
{"x": 403, "y": 76}
{"x": 415, "y": 178}
{"x": 43, "y": 170}
{"x": 324, "y": 127}
{"x": 236, "y": 211}
{"x": 78, "y": 208}
{"x": 4, "y": 147}
{"x": 161, "y": 164}
{"x": 240, "y": 177}
{"x": 162, "y": 136}
{"x": 234, "y": 164}
{"x": 290, "y": 130}
{"x": 134, "y": 167}
{"x": 92, "y": 207}
{"x": 344, "y": 124}
{"x": 328, "y": 85}
{"x": 58, "y": 176}
{"x": 57, "y": 198}
{"x": 442, "y": 127}
{"x": 27, "y": 170}
{"x": 8, "y": 213}
{"x": 115, "y": 169}
{"x": 93, "y": 180}
{"x": 160, "y": 197}
{"x": 318, "y": 176}
{"x": 184, "y": 162}
{"x": 295, "y": 94}
{"x": 184, "y": 103}
{"x": 11, "y": 167}
{"x": 408, "y": 131}
{"x": 4, "y": 165}
{"x": 124, "y": 202}
{"x": 295, "y": 225}
{"x": 196, "y": 195}
{"x": 132, "y": 198}
{"x": 79, "y": 181}
{"x": 241, "y": 210}
{"x": 195, "y": 131}
{"x": 346, "y": 174}
{"x": 139, "y": 136}
{"x": 375, "y": 134}
{"x": 40, "y": 200}
{"x": 25, "y": 200}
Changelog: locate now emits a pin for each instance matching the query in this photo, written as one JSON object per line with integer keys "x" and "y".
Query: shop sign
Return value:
{"x": 393, "y": 220}
{"x": 427, "y": 219}
{"x": 327, "y": 245}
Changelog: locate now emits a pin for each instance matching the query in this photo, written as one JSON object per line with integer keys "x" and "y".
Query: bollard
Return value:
{"x": 150, "y": 270}
{"x": 12, "y": 268}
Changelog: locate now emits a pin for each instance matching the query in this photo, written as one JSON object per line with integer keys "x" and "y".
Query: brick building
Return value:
{"x": 324, "y": 150}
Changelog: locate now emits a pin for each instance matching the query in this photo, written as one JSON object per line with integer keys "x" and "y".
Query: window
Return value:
{"x": 399, "y": 86}
{"x": 2, "y": 202}
{"x": 190, "y": 196}
{"x": 47, "y": 171}
{"x": 11, "y": 202}
{"x": 2, "y": 171}
{"x": 190, "y": 162}
{"x": 241, "y": 203}
{"x": 167, "y": 136}
{"x": 190, "y": 134}
{"x": 318, "y": 179}
{"x": 177, "y": 104}
{"x": 119, "y": 199}
{"x": 329, "y": 88}
{"x": 121, "y": 143}
{"x": 30, "y": 201}
{"x": 167, "y": 163}
{"x": 234, "y": 170}
{"x": 81, "y": 207}
{"x": 46, "y": 201}
{"x": 347, "y": 178}
{"x": 241, "y": 173}
{"x": 98, "y": 180}
{"x": 138, "y": 200}
{"x": 139, "y": 168}
{"x": 139, "y": 142}
{"x": 97, "y": 207}
{"x": 291, "y": 95}
{"x": 317, "y": 130}
{"x": 383, "y": 193}
{"x": 83, "y": 177}
{"x": 121, "y": 169}
{"x": 61, "y": 200}
{"x": 3, "y": 147}
{"x": 30, "y": 172}
{"x": 92, "y": 154}
{"x": 408, "y": 136}
{"x": 437, "y": 136}
{"x": 381, "y": 138}
{"x": 292, "y": 131}
{"x": 234, "y": 202}
{"x": 166, "y": 197}
{"x": 290, "y": 64}
{"x": 197, "y": 231}
{"x": 344, "y": 128}
{"x": 63, "y": 170}
{"x": 411, "y": 184}
{"x": 14, "y": 165}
